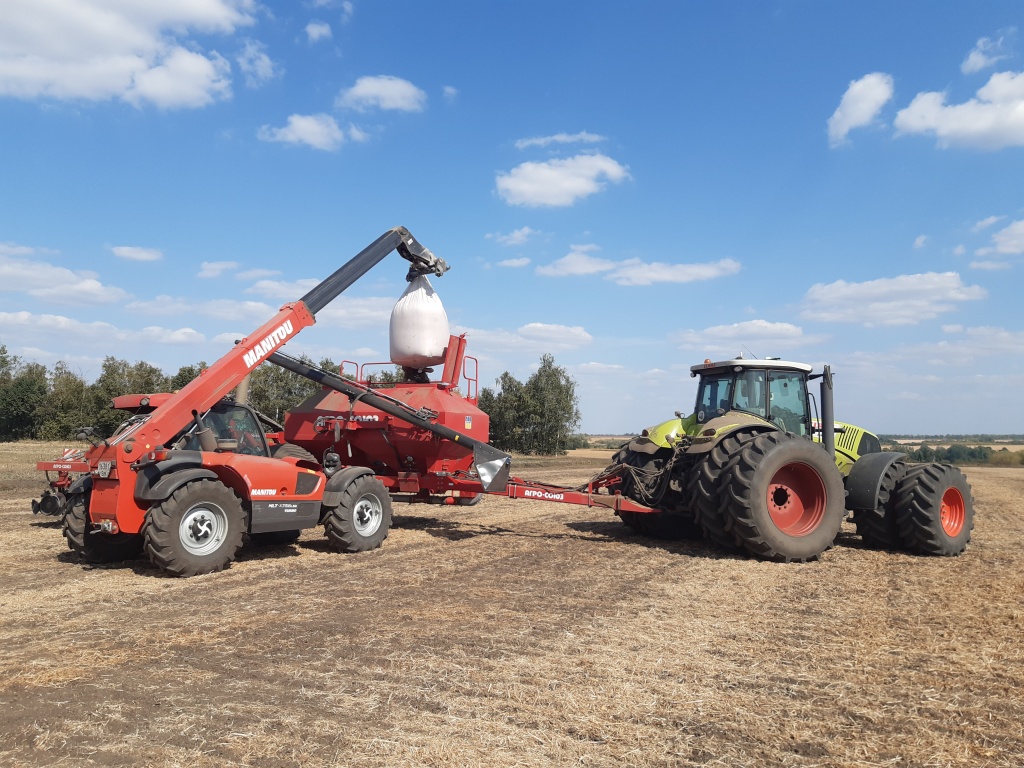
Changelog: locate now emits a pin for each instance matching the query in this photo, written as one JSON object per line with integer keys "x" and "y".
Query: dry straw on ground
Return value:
{"x": 514, "y": 633}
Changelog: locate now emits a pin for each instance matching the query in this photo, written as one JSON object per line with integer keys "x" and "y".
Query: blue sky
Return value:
{"x": 630, "y": 187}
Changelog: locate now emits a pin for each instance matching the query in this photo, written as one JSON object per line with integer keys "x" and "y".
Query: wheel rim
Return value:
{"x": 796, "y": 499}
{"x": 203, "y": 528}
{"x": 953, "y": 512}
{"x": 367, "y": 515}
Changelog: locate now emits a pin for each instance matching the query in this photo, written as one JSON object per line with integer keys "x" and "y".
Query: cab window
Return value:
{"x": 750, "y": 393}
{"x": 715, "y": 394}
{"x": 788, "y": 393}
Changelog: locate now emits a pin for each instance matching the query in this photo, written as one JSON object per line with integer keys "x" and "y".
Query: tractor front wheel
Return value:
{"x": 198, "y": 529}
{"x": 934, "y": 510}
{"x": 362, "y": 518}
{"x": 784, "y": 498}
{"x": 96, "y": 546}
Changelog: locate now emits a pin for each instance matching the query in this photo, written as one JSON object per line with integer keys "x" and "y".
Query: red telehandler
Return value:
{"x": 191, "y": 474}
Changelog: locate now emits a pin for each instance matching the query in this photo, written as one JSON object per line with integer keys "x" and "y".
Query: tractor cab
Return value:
{"x": 773, "y": 390}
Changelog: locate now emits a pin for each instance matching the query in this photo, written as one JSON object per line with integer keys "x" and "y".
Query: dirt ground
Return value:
{"x": 513, "y": 633}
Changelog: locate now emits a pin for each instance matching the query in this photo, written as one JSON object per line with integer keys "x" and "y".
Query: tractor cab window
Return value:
{"x": 235, "y": 428}
{"x": 714, "y": 395}
{"x": 788, "y": 392}
{"x": 750, "y": 393}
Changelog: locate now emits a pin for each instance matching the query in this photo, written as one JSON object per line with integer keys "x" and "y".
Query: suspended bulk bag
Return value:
{"x": 419, "y": 326}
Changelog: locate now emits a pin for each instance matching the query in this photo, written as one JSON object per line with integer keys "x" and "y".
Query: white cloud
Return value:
{"x": 56, "y": 285}
{"x": 986, "y": 223}
{"x": 993, "y": 120}
{"x": 532, "y": 337}
{"x": 347, "y": 9}
{"x": 230, "y": 310}
{"x": 514, "y": 262}
{"x": 990, "y": 266}
{"x": 352, "y": 312}
{"x": 357, "y": 134}
{"x": 952, "y": 328}
{"x": 758, "y": 337}
{"x": 317, "y": 131}
{"x": 515, "y": 237}
{"x": 318, "y": 30}
{"x": 986, "y": 53}
{"x": 577, "y": 262}
{"x": 216, "y": 268}
{"x": 450, "y": 93}
{"x": 600, "y": 368}
{"x": 256, "y": 65}
{"x": 157, "y": 335}
{"x": 1009, "y": 240}
{"x": 860, "y": 105}
{"x": 96, "y": 50}
{"x": 903, "y": 300}
{"x": 636, "y": 272}
{"x": 382, "y": 92}
{"x": 283, "y": 290}
{"x": 560, "y": 138}
{"x": 920, "y": 241}
{"x": 960, "y": 250}
{"x": 256, "y": 274}
{"x": 184, "y": 79}
{"x": 558, "y": 183}
{"x": 134, "y": 253}
{"x": 33, "y": 327}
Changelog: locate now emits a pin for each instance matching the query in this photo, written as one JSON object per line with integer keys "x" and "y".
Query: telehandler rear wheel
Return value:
{"x": 96, "y": 546}
{"x": 878, "y": 526}
{"x": 934, "y": 510}
{"x": 784, "y": 498}
{"x": 290, "y": 450}
{"x": 362, "y": 518}
{"x": 197, "y": 530}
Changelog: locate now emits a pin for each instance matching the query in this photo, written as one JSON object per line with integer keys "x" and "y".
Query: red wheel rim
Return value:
{"x": 796, "y": 499}
{"x": 953, "y": 512}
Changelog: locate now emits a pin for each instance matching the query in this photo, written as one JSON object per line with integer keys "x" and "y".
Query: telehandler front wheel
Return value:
{"x": 362, "y": 518}
{"x": 198, "y": 529}
{"x": 96, "y": 546}
{"x": 784, "y": 498}
{"x": 934, "y": 510}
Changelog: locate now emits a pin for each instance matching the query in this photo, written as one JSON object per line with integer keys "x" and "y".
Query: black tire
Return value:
{"x": 706, "y": 492}
{"x": 642, "y": 474}
{"x": 646, "y": 483}
{"x": 289, "y": 450}
{"x": 274, "y": 538}
{"x": 96, "y": 546}
{"x": 362, "y": 519}
{"x": 198, "y": 529}
{"x": 784, "y": 498}
{"x": 878, "y": 526}
{"x": 934, "y": 510}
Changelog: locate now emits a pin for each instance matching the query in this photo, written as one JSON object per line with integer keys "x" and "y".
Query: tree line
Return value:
{"x": 539, "y": 416}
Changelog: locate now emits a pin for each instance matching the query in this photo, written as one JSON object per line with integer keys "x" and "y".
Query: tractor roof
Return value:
{"x": 730, "y": 365}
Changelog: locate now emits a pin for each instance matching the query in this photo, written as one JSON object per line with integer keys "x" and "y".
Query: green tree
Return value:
{"x": 119, "y": 377}
{"x": 538, "y": 417}
{"x": 22, "y": 395}
{"x": 67, "y": 407}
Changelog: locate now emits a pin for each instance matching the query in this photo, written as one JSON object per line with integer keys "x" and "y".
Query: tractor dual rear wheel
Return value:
{"x": 96, "y": 546}
{"x": 878, "y": 526}
{"x": 934, "y": 510}
{"x": 784, "y": 498}
{"x": 706, "y": 490}
{"x": 362, "y": 518}
{"x": 197, "y": 530}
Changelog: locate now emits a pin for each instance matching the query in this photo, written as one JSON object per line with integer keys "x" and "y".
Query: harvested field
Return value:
{"x": 514, "y": 633}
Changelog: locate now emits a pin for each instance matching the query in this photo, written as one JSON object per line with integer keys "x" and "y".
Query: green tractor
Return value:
{"x": 752, "y": 470}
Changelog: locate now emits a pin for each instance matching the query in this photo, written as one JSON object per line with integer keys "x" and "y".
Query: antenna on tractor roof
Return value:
{"x": 749, "y": 352}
